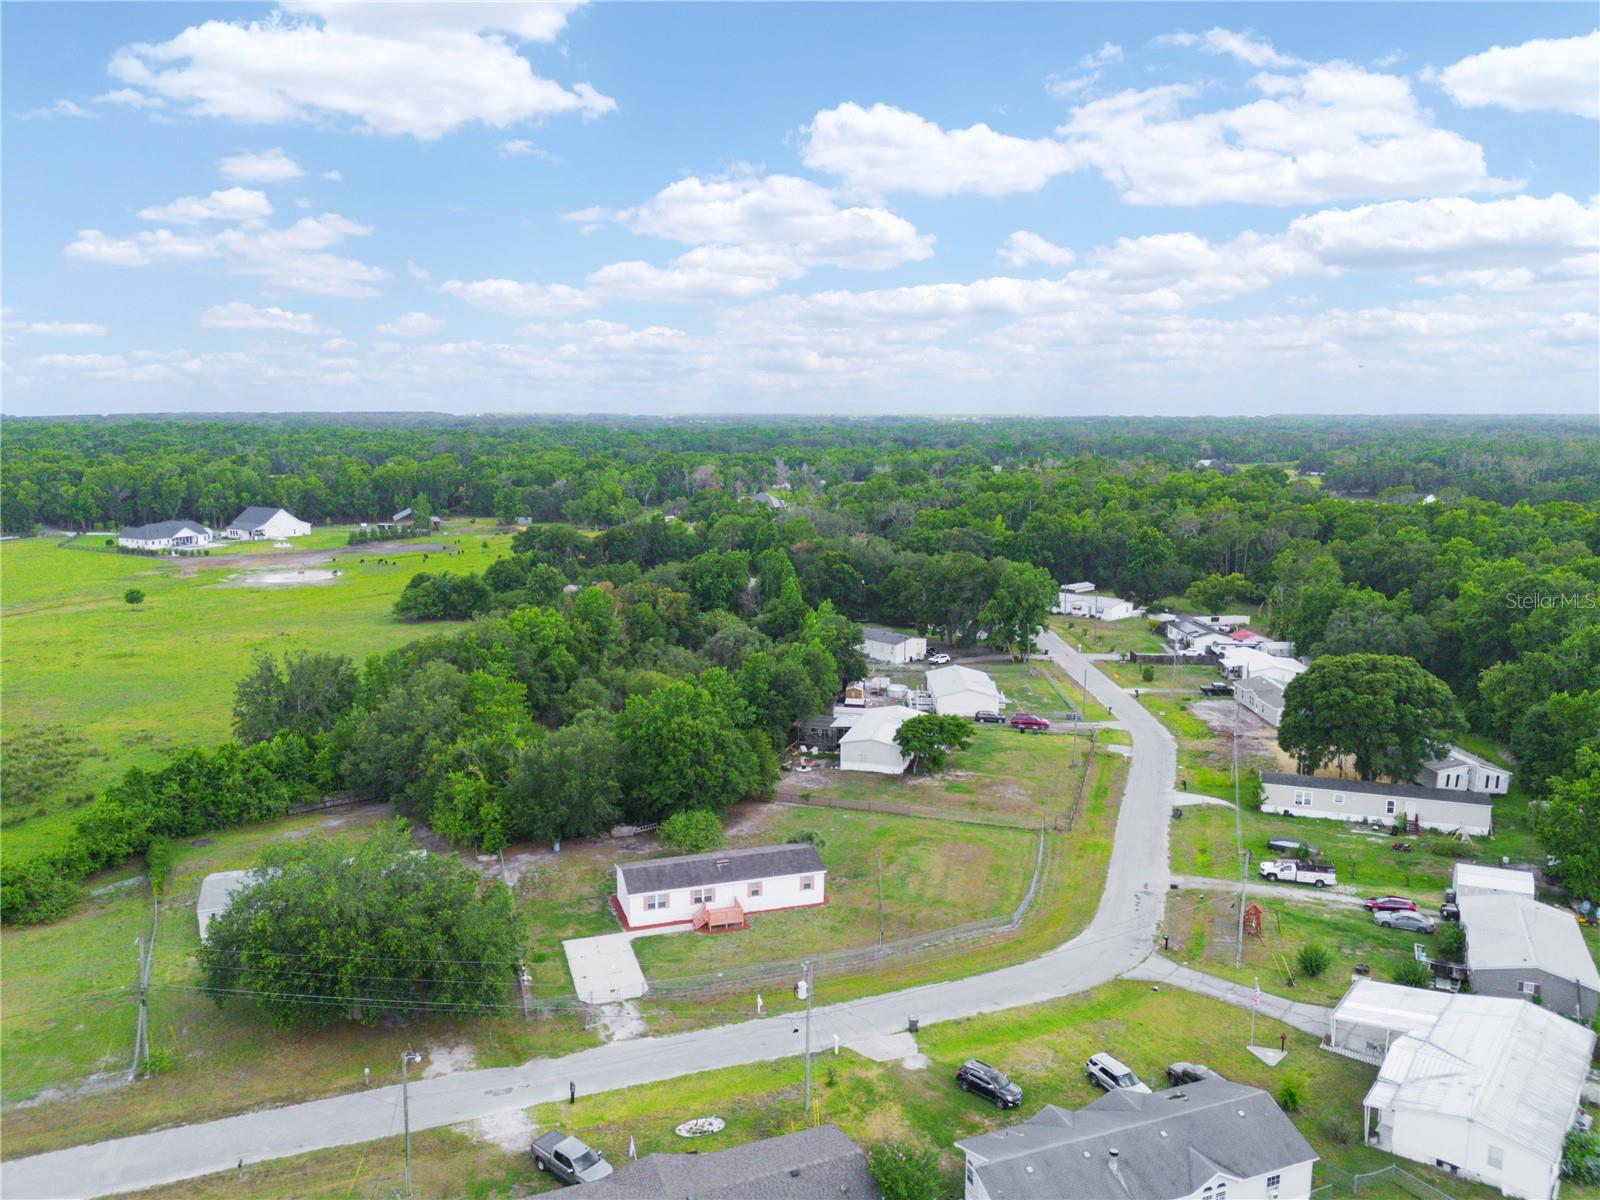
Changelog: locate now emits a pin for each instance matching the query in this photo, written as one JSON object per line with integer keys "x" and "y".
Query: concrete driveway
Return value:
{"x": 1118, "y": 938}
{"x": 604, "y": 969}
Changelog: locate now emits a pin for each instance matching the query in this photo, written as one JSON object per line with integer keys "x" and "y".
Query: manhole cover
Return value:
{"x": 700, "y": 1126}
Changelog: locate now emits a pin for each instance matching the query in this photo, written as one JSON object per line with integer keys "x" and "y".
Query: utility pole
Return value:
{"x": 1238, "y": 837}
{"x": 407, "y": 1056}
{"x": 880, "y": 898}
{"x": 808, "y": 1041}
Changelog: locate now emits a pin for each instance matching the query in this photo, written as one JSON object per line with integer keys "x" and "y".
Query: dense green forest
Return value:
{"x": 648, "y": 643}
{"x": 90, "y": 473}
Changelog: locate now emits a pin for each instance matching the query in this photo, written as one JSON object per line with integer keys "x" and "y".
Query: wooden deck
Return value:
{"x": 720, "y": 920}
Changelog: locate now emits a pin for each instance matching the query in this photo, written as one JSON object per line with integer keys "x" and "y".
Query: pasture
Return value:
{"x": 136, "y": 681}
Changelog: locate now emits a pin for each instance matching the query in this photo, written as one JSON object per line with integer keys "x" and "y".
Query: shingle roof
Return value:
{"x": 254, "y": 517}
{"x": 876, "y": 633}
{"x": 160, "y": 529}
{"x": 1168, "y": 1144}
{"x": 1506, "y": 931}
{"x": 720, "y": 866}
{"x": 814, "y": 1164}
{"x": 1372, "y": 787}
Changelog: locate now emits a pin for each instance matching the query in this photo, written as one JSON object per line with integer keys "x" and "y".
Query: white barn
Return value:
{"x": 264, "y": 524}
{"x": 1477, "y": 1085}
{"x": 677, "y": 891}
{"x": 868, "y": 743}
{"x": 1357, "y": 800}
{"x": 1461, "y": 770}
{"x": 962, "y": 691}
{"x": 889, "y": 646}
{"x": 164, "y": 535}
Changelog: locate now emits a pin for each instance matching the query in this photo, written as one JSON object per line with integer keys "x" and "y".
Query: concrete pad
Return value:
{"x": 604, "y": 970}
{"x": 1271, "y": 1057}
{"x": 885, "y": 1047}
{"x": 216, "y": 891}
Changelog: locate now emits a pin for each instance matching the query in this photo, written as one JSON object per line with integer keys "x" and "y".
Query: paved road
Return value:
{"x": 1117, "y": 939}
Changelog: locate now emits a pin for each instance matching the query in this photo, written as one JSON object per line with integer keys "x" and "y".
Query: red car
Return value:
{"x": 1028, "y": 723}
{"x": 1391, "y": 904}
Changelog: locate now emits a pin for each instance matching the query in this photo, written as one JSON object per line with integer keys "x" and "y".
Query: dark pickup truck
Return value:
{"x": 567, "y": 1158}
{"x": 1216, "y": 689}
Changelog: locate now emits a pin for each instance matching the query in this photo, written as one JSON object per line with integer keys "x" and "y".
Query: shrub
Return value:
{"x": 1291, "y": 1093}
{"x": 1313, "y": 960}
{"x": 1451, "y": 940}
{"x": 158, "y": 860}
{"x": 1147, "y": 673}
{"x": 1580, "y": 1156}
{"x": 905, "y": 1172}
{"x": 1411, "y": 973}
{"x": 692, "y": 832}
{"x": 133, "y": 596}
{"x": 810, "y": 837}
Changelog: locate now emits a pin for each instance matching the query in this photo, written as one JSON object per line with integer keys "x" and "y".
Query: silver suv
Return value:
{"x": 1106, "y": 1072}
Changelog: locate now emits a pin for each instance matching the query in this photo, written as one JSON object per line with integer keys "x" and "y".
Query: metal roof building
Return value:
{"x": 1520, "y": 948}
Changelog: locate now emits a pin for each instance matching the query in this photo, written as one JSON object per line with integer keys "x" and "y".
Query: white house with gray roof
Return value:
{"x": 164, "y": 535}
{"x": 1462, "y": 771}
{"x": 811, "y": 1164}
{"x": 1212, "y": 1140}
{"x": 1262, "y": 695}
{"x": 891, "y": 646}
{"x": 259, "y": 523}
{"x": 1358, "y": 800}
{"x": 1521, "y": 949}
{"x": 674, "y": 891}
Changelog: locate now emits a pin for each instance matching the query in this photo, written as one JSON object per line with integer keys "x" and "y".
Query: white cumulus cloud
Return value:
{"x": 1543, "y": 75}
{"x": 1022, "y": 248}
{"x": 231, "y": 204}
{"x": 422, "y": 70}
{"x": 240, "y": 316}
{"x": 63, "y": 328}
{"x": 413, "y": 324}
{"x": 513, "y": 299}
{"x": 260, "y": 166}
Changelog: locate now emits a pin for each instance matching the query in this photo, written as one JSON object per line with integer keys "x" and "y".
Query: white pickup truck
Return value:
{"x": 1292, "y": 871}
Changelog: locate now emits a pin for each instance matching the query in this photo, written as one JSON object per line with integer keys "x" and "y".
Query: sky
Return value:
{"x": 800, "y": 209}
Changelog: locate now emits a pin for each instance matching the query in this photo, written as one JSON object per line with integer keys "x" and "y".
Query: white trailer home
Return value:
{"x": 868, "y": 742}
{"x": 890, "y": 646}
{"x": 259, "y": 524}
{"x": 962, "y": 691}
{"x": 718, "y": 890}
{"x": 1357, "y": 800}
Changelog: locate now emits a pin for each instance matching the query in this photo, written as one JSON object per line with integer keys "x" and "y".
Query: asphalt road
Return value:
{"x": 1118, "y": 938}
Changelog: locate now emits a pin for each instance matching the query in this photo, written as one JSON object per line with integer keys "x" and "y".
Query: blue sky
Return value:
{"x": 795, "y": 208}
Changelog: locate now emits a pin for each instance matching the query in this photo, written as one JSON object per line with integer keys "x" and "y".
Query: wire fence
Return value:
{"x": 929, "y": 812}
{"x": 1386, "y": 1181}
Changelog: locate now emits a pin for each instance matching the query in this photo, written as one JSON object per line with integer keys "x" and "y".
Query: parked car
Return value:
{"x": 567, "y": 1158}
{"x": 1216, "y": 689}
{"x": 939, "y": 659}
{"x": 1291, "y": 846}
{"x": 988, "y": 1082}
{"x": 1292, "y": 871}
{"x": 1450, "y": 910}
{"x": 1391, "y": 904}
{"x": 1028, "y": 723}
{"x": 988, "y": 718}
{"x": 1180, "y": 1073}
{"x": 1411, "y": 922}
{"x": 1106, "y": 1072}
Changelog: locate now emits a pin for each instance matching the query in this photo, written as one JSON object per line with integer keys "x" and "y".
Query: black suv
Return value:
{"x": 990, "y": 1082}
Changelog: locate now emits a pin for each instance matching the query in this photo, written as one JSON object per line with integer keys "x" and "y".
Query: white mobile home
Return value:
{"x": 1357, "y": 800}
{"x": 1089, "y": 604}
{"x": 1521, "y": 949}
{"x": 868, "y": 743}
{"x": 1263, "y": 696}
{"x": 264, "y": 524}
{"x": 1474, "y": 879}
{"x": 1476, "y": 1085}
{"x": 1204, "y": 1141}
{"x": 164, "y": 535}
{"x": 691, "y": 887}
{"x": 962, "y": 692}
{"x": 887, "y": 645}
{"x": 1465, "y": 772}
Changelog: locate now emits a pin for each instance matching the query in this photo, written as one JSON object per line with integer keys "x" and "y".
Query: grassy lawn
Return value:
{"x": 1205, "y": 926}
{"x": 935, "y": 874}
{"x": 214, "y": 1060}
{"x": 1041, "y": 687}
{"x": 1189, "y": 677}
{"x": 1109, "y": 637}
{"x": 125, "y": 678}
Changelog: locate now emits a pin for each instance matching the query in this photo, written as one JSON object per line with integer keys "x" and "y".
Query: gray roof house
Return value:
{"x": 768, "y": 499}
{"x": 164, "y": 533}
{"x": 720, "y": 866}
{"x": 1262, "y": 696}
{"x": 1167, "y": 1145}
{"x": 814, "y": 1164}
{"x": 1519, "y": 948}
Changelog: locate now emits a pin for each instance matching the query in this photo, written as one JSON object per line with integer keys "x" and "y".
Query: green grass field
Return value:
{"x": 136, "y": 682}
{"x": 1109, "y": 637}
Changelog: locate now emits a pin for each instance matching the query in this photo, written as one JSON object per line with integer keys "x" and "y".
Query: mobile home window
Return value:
{"x": 1273, "y": 1183}
{"x": 1388, "y": 808}
{"x": 1528, "y": 987}
{"x": 808, "y": 883}
{"x": 654, "y": 901}
{"x": 1338, "y": 797}
{"x": 702, "y": 895}
{"x": 755, "y": 887}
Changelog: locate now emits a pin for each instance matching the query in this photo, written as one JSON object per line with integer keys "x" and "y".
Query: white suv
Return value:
{"x": 1106, "y": 1072}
